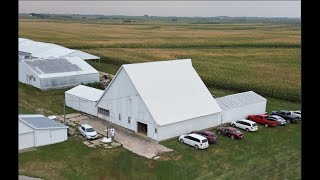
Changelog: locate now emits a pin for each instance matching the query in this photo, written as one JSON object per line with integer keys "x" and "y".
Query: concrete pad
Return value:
{"x": 156, "y": 157}
{"x": 86, "y": 143}
{"x": 130, "y": 140}
{"x": 27, "y": 150}
{"x": 91, "y": 145}
{"x": 68, "y": 116}
{"x": 114, "y": 144}
{"x": 21, "y": 177}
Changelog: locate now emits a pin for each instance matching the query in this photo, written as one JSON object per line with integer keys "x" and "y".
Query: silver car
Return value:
{"x": 298, "y": 113}
{"x": 279, "y": 119}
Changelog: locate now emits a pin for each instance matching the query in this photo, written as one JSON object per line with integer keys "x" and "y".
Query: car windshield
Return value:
{"x": 204, "y": 141}
{"x": 90, "y": 130}
{"x": 236, "y": 131}
{"x": 298, "y": 112}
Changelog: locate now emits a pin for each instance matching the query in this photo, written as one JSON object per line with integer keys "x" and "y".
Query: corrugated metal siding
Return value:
{"x": 240, "y": 99}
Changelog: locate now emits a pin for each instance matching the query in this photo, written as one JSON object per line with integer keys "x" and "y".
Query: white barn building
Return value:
{"x": 83, "y": 98}
{"x": 159, "y": 99}
{"x": 37, "y": 130}
{"x": 49, "y": 50}
{"x": 239, "y": 106}
{"x": 56, "y": 72}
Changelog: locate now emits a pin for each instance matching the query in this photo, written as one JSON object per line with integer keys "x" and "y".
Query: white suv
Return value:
{"x": 245, "y": 124}
{"x": 87, "y": 131}
{"x": 195, "y": 140}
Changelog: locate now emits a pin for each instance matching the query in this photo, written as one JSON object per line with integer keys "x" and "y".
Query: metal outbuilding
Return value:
{"x": 52, "y": 73}
{"x": 49, "y": 50}
{"x": 83, "y": 98}
{"x": 37, "y": 130}
{"x": 239, "y": 106}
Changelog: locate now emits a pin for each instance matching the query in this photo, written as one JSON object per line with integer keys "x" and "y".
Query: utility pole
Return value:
{"x": 64, "y": 112}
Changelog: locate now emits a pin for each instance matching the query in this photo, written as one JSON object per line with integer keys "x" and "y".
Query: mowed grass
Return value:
{"x": 33, "y": 100}
{"x": 270, "y": 153}
{"x": 261, "y": 57}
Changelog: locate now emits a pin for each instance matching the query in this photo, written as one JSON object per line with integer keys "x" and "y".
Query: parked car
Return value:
{"x": 194, "y": 140}
{"x": 287, "y": 115}
{"x": 212, "y": 137}
{"x": 231, "y": 132}
{"x": 245, "y": 124}
{"x": 277, "y": 118}
{"x": 263, "y": 119}
{"x": 298, "y": 113}
{"x": 87, "y": 131}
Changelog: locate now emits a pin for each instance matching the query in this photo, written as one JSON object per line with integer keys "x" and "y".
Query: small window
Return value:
{"x": 129, "y": 120}
{"x": 104, "y": 111}
{"x": 119, "y": 116}
{"x": 205, "y": 140}
{"x": 155, "y": 130}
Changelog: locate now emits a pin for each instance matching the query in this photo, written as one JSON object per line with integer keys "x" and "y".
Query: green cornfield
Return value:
{"x": 263, "y": 57}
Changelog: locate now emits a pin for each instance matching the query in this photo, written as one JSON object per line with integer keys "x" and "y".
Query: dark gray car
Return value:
{"x": 287, "y": 115}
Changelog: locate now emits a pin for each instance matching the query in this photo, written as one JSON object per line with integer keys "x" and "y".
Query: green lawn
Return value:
{"x": 33, "y": 100}
{"x": 270, "y": 153}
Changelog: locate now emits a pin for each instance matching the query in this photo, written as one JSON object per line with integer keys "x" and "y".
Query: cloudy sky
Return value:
{"x": 166, "y": 8}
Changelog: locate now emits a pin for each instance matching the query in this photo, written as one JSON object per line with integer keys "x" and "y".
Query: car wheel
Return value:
{"x": 288, "y": 121}
{"x": 233, "y": 125}
{"x": 219, "y": 132}
{"x": 181, "y": 140}
{"x": 266, "y": 125}
{"x": 247, "y": 130}
{"x": 232, "y": 137}
{"x": 196, "y": 146}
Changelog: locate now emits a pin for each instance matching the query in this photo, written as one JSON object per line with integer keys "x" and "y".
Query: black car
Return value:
{"x": 287, "y": 115}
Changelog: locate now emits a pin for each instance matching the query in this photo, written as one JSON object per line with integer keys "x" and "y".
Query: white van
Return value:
{"x": 194, "y": 140}
{"x": 245, "y": 124}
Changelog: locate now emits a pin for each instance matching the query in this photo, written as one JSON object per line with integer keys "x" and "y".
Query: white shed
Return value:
{"x": 239, "y": 106}
{"x": 37, "y": 130}
{"x": 55, "y": 73}
{"x": 159, "y": 99}
{"x": 83, "y": 98}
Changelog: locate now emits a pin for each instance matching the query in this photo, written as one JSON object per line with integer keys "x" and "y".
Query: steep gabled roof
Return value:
{"x": 171, "y": 90}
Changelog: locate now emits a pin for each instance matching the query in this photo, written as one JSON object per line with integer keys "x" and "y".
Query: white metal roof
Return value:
{"x": 57, "y": 67}
{"x": 38, "y": 121}
{"x": 238, "y": 100}
{"x": 172, "y": 90}
{"x": 86, "y": 92}
{"x": 46, "y": 50}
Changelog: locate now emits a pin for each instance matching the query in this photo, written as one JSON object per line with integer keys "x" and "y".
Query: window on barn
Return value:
{"x": 103, "y": 111}
{"x": 155, "y": 130}
{"x": 129, "y": 120}
{"x": 119, "y": 116}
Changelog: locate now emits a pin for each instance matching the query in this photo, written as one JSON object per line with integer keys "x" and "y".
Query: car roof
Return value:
{"x": 248, "y": 121}
{"x": 197, "y": 136}
{"x": 276, "y": 116}
{"x": 86, "y": 126}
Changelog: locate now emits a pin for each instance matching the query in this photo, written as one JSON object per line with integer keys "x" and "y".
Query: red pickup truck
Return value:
{"x": 262, "y": 119}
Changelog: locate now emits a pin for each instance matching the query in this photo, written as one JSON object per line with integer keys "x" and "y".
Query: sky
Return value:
{"x": 167, "y": 8}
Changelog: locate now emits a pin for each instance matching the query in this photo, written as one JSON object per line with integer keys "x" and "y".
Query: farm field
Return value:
{"x": 263, "y": 57}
